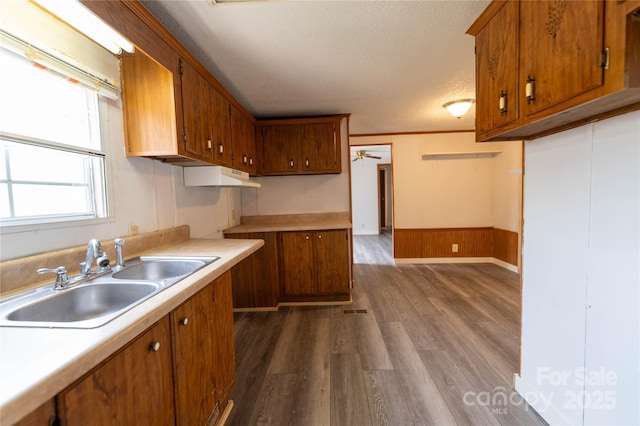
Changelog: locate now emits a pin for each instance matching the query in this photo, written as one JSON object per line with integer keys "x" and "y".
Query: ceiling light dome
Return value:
{"x": 459, "y": 107}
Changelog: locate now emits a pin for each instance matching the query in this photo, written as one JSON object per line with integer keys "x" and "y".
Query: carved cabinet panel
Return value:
{"x": 497, "y": 70}
{"x": 561, "y": 42}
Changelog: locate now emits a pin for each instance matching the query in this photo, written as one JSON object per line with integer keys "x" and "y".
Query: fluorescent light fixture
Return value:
{"x": 83, "y": 20}
{"x": 459, "y": 107}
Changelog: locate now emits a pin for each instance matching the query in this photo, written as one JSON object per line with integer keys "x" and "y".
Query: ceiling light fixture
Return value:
{"x": 459, "y": 107}
{"x": 81, "y": 18}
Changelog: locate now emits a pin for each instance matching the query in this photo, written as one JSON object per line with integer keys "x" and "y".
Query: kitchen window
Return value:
{"x": 52, "y": 162}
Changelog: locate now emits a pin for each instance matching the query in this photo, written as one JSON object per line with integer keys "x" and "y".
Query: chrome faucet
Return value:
{"x": 94, "y": 251}
{"x": 62, "y": 280}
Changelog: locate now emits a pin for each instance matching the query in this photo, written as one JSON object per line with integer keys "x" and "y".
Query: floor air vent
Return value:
{"x": 355, "y": 311}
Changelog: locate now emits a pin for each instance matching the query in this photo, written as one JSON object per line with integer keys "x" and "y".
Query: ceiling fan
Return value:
{"x": 361, "y": 154}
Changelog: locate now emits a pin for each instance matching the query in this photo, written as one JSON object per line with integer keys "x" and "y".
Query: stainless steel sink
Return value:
{"x": 85, "y": 306}
{"x": 101, "y": 299}
{"x": 149, "y": 268}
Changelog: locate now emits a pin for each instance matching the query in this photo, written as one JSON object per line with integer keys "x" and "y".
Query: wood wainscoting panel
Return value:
{"x": 472, "y": 242}
{"x": 426, "y": 243}
{"x": 505, "y": 246}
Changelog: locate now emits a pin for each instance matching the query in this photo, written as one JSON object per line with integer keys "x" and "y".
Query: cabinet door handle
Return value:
{"x": 319, "y": 237}
{"x": 244, "y": 158}
{"x": 307, "y": 237}
{"x": 220, "y": 149}
{"x": 306, "y": 162}
{"x": 209, "y": 144}
{"x": 291, "y": 163}
{"x": 154, "y": 347}
{"x": 184, "y": 321}
{"x": 530, "y": 89}
{"x": 503, "y": 102}
{"x": 251, "y": 161}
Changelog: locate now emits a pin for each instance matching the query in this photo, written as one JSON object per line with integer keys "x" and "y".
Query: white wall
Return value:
{"x": 452, "y": 191}
{"x": 581, "y": 274}
{"x": 507, "y": 187}
{"x": 141, "y": 191}
{"x": 364, "y": 189}
{"x": 301, "y": 194}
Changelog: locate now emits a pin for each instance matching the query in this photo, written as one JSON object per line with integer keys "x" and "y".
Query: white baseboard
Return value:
{"x": 433, "y": 260}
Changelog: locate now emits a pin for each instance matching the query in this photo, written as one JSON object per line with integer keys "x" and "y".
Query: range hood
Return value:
{"x": 217, "y": 176}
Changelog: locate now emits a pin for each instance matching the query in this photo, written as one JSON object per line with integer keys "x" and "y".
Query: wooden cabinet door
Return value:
{"x": 194, "y": 349}
{"x": 297, "y": 263}
{"x": 225, "y": 370}
{"x": 204, "y": 357}
{"x": 222, "y": 138}
{"x": 320, "y": 150}
{"x": 197, "y": 113}
{"x": 331, "y": 254}
{"x": 280, "y": 149}
{"x": 149, "y": 106}
{"x": 497, "y": 70}
{"x": 255, "y": 279}
{"x": 561, "y": 42}
{"x": 244, "y": 142}
{"x": 135, "y": 386}
{"x": 251, "y": 163}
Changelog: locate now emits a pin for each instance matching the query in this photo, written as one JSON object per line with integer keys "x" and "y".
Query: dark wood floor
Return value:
{"x": 437, "y": 345}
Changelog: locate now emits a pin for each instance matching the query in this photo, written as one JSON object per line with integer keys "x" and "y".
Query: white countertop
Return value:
{"x": 38, "y": 363}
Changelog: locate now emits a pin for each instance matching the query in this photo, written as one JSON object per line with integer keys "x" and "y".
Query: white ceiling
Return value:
{"x": 390, "y": 64}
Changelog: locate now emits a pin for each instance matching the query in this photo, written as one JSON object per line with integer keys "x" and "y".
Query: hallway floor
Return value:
{"x": 427, "y": 344}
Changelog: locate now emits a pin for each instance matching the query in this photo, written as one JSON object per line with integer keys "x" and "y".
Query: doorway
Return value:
{"x": 385, "y": 207}
{"x": 371, "y": 189}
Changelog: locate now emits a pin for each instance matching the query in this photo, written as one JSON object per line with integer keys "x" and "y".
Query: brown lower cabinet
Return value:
{"x": 293, "y": 266}
{"x": 203, "y": 350}
{"x": 255, "y": 279}
{"x": 314, "y": 264}
{"x": 178, "y": 372}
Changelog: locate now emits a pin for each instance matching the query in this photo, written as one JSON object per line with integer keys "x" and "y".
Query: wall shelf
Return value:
{"x": 457, "y": 155}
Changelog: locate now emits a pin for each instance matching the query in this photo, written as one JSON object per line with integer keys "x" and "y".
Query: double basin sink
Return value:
{"x": 101, "y": 299}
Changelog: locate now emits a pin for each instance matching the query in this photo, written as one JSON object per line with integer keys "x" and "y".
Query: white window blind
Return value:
{"x": 105, "y": 86}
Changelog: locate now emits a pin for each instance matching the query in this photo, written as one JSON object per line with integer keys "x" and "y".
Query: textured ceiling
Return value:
{"x": 390, "y": 64}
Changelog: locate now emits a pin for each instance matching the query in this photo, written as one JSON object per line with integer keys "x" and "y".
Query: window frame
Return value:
{"x": 105, "y": 94}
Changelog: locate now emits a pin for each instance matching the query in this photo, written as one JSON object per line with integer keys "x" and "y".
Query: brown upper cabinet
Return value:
{"x": 152, "y": 117}
{"x": 496, "y": 65}
{"x": 197, "y": 111}
{"x": 243, "y": 136}
{"x": 299, "y": 146}
{"x": 545, "y": 66}
{"x": 221, "y": 129}
{"x": 174, "y": 109}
